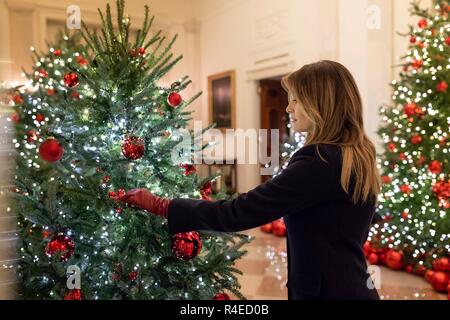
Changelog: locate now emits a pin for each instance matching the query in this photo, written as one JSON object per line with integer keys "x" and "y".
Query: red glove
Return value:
{"x": 144, "y": 199}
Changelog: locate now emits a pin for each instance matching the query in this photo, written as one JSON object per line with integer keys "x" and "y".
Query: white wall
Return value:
{"x": 236, "y": 34}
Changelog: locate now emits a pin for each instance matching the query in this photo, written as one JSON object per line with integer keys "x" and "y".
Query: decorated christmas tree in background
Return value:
{"x": 98, "y": 125}
{"x": 415, "y": 205}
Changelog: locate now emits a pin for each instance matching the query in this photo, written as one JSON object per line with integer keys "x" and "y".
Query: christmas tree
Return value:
{"x": 98, "y": 124}
{"x": 414, "y": 202}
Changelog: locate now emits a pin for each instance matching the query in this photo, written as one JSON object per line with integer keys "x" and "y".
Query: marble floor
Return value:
{"x": 265, "y": 265}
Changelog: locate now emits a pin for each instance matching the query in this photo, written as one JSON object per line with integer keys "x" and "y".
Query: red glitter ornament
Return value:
{"x": 186, "y": 245}
{"x": 410, "y": 109}
{"x": 174, "y": 99}
{"x": 40, "y": 117}
{"x": 442, "y": 87}
{"x": 71, "y": 79}
{"x": 51, "y": 150}
{"x": 422, "y": 23}
{"x": 405, "y": 188}
{"x": 435, "y": 167}
{"x": 133, "y": 147}
{"x": 60, "y": 243}
{"x": 133, "y": 275}
{"x": 386, "y": 179}
{"x": 416, "y": 139}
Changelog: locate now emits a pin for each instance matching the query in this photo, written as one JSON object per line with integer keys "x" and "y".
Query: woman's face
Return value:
{"x": 299, "y": 121}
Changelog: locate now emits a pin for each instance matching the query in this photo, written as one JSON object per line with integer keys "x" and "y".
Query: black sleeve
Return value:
{"x": 302, "y": 184}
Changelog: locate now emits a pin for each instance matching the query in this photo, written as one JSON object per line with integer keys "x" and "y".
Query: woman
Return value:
{"x": 327, "y": 194}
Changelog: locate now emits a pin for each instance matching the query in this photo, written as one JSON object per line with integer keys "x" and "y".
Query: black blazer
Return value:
{"x": 325, "y": 230}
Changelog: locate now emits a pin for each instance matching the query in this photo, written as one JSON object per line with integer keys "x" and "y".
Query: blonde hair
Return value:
{"x": 330, "y": 97}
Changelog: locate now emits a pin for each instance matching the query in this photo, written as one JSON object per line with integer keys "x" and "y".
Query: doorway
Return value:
{"x": 274, "y": 100}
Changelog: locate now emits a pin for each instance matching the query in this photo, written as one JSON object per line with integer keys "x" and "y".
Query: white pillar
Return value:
{"x": 5, "y": 42}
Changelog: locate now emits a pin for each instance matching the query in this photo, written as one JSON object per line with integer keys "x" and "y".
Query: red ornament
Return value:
{"x": 420, "y": 270}
{"x": 14, "y": 117}
{"x": 401, "y": 156}
{"x": 442, "y": 87}
{"x": 448, "y": 291}
{"x": 447, "y": 41}
{"x": 373, "y": 259}
{"x": 405, "y": 188}
{"x": 417, "y": 64}
{"x": 267, "y": 228}
{"x": 174, "y": 99}
{"x": 81, "y": 60}
{"x": 394, "y": 260}
{"x": 75, "y": 95}
{"x": 73, "y": 294}
{"x": 429, "y": 275}
{"x": 133, "y": 147}
{"x": 279, "y": 228}
{"x": 133, "y": 275}
{"x": 386, "y": 179}
{"x": 422, "y": 23}
{"x": 383, "y": 258}
{"x": 121, "y": 193}
{"x": 421, "y": 160}
{"x": 206, "y": 191}
{"x": 435, "y": 167}
{"x": 409, "y": 269}
{"x": 441, "y": 264}
{"x": 416, "y": 139}
{"x": 404, "y": 215}
{"x": 421, "y": 45}
{"x": 186, "y": 245}
{"x": 60, "y": 243}
{"x": 40, "y": 118}
{"x": 141, "y": 51}
{"x": 221, "y": 296}
{"x": 367, "y": 248}
{"x": 392, "y": 146}
{"x": 112, "y": 195}
{"x": 440, "y": 281}
{"x": 51, "y": 150}
{"x": 50, "y": 91}
{"x": 17, "y": 99}
{"x": 57, "y": 52}
{"x": 42, "y": 73}
{"x": 188, "y": 169}
{"x": 71, "y": 79}
{"x": 413, "y": 39}
{"x": 420, "y": 112}
{"x": 410, "y": 109}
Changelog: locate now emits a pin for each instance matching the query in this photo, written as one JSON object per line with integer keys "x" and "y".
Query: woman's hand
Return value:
{"x": 144, "y": 199}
